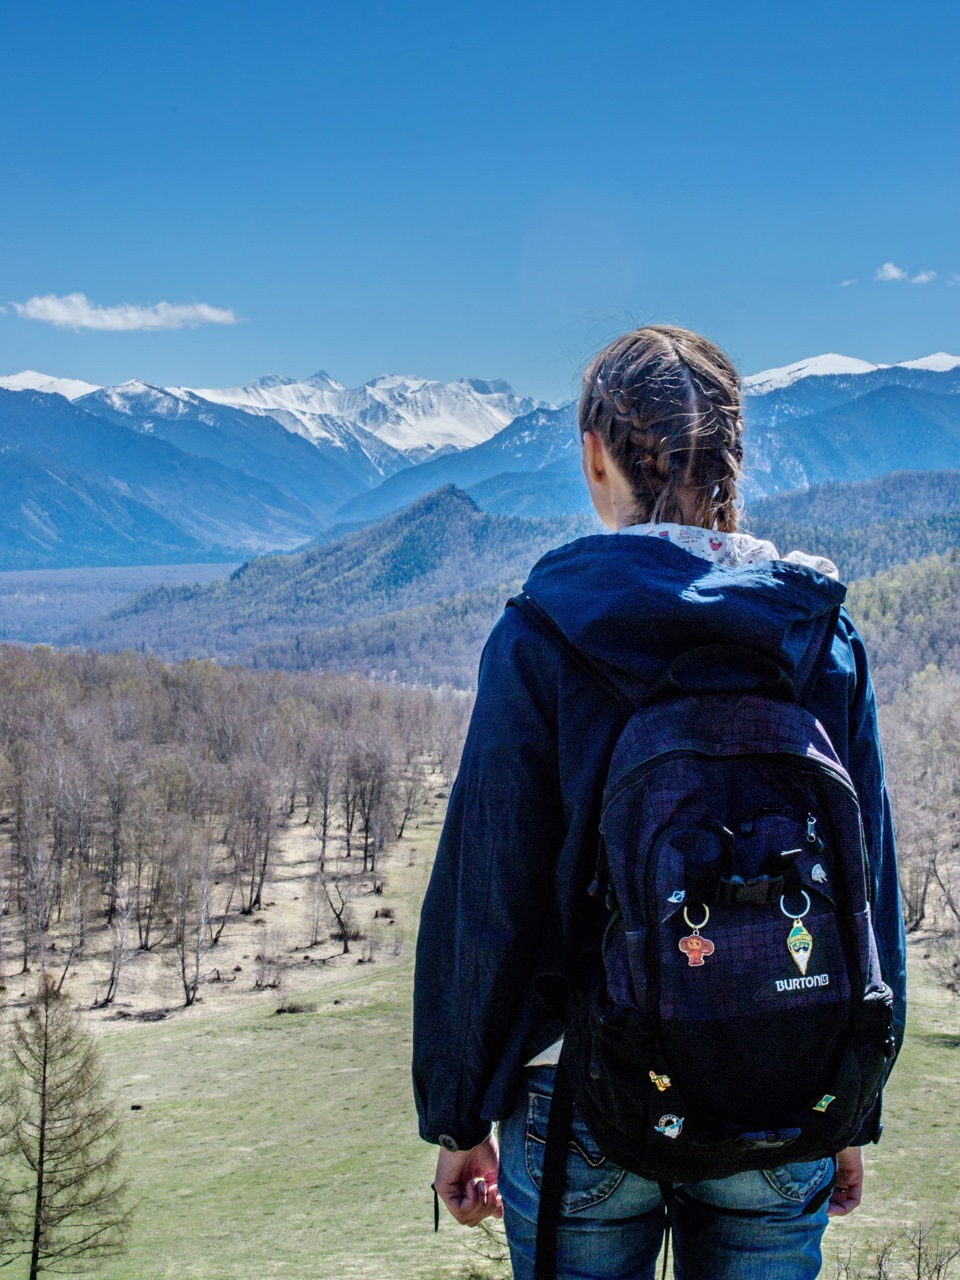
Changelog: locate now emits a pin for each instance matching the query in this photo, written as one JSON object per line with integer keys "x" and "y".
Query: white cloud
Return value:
{"x": 889, "y": 272}
{"x": 845, "y": 284}
{"x": 954, "y": 279}
{"x": 923, "y": 277}
{"x": 76, "y": 311}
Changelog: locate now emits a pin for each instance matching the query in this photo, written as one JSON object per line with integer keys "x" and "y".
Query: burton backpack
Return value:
{"x": 738, "y": 1019}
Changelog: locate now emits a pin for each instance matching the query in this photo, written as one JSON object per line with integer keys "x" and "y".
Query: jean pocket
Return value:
{"x": 797, "y": 1182}
{"x": 589, "y": 1176}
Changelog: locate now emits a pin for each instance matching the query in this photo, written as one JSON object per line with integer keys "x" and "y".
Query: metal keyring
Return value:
{"x": 792, "y": 915}
{"x": 703, "y": 922}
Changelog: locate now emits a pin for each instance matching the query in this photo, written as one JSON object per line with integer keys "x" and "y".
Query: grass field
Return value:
{"x": 272, "y": 1145}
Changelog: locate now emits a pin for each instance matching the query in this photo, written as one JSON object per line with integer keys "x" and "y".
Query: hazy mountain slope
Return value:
{"x": 319, "y": 475}
{"x": 217, "y": 506}
{"x": 885, "y": 430}
{"x": 555, "y": 490}
{"x": 889, "y": 428}
{"x": 899, "y": 495}
{"x": 54, "y": 518}
{"x": 441, "y": 545}
{"x": 533, "y": 441}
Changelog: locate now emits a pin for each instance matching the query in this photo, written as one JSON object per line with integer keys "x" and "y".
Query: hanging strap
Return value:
{"x": 669, "y": 1193}
{"x": 554, "y": 1170}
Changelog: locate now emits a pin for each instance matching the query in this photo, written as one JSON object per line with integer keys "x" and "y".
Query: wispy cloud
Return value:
{"x": 923, "y": 277}
{"x": 889, "y": 272}
{"x": 76, "y": 311}
{"x": 845, "y": 284}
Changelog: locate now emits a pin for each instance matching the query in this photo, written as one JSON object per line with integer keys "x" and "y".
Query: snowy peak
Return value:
{"x": 758, "y": 384}
{"x": 833, "y": 364}
{"x": 30, "y": 380}
{"x": 416, "y": 417}
{"x": 939, "y": 362}
{"x": 322, "y": 379}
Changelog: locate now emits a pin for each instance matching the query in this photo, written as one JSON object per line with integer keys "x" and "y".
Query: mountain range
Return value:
{"x": 143, "y": 474}
{"x": 413, "y": 595}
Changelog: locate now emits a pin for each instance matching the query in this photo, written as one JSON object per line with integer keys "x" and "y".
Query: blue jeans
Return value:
{"x": 748, "y": 1227}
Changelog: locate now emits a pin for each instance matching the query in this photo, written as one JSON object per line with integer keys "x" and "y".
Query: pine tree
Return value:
{"x": 61, "y": 1198}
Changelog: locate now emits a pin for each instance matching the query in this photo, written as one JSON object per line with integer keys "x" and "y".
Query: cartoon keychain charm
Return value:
{"x": 799, "y": 939}
{"x": 694, "y": 947}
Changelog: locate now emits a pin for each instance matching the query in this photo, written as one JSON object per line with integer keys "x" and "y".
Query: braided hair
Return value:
{"x": 666, "y": 404}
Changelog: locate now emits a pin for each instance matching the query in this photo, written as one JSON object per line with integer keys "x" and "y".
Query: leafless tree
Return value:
{"x": 191, "y": 912}
{"x": 120, "y": 951}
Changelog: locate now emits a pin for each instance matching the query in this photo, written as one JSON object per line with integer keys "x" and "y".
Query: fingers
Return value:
{"x": 471, "y": 1201}
{"x": 848, "y": 1191}
{"x": 844, "y": 1200}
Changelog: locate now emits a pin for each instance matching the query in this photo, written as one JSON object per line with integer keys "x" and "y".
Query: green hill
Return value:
{"x": 440, "y": 546}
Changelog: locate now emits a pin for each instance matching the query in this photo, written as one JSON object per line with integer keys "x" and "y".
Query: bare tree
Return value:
{"x": 321, "y": 769}
{"x": 191, "y": 913}
{"x": 339, "y": 890}
{"x": 63, "y": 1199}
{"x": 120, "y": 952}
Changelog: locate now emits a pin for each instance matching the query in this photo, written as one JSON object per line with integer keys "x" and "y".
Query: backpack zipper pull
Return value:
{"x": 811, "y": 829}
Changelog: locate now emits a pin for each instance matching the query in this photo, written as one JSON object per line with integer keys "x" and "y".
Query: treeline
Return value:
{"x": 867, "y": 549}
{"x": 436, "y": 644}
{"x": 147, "y": 798}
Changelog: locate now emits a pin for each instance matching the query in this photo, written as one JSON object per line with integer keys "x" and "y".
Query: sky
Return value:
{"x": 199, "y": 193}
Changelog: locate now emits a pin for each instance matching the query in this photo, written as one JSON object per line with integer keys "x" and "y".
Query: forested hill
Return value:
{"x": 867, "y": 526}
{"x": 440, "y": 546}
{"x": 908, "y": 619}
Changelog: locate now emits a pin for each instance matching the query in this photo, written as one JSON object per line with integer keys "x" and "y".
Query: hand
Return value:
{"x": 466, "y": 1182}
{"x": 849, "y": 1187}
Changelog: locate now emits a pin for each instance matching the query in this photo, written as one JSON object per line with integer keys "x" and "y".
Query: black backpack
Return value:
{"x": 739, "y": 1019}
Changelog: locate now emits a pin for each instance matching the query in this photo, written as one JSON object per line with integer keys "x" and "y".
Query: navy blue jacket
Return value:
{"x": 508, "y": 899}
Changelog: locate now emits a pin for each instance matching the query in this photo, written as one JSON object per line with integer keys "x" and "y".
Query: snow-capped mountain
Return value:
{"x": 30, "y": 380}
{"x": 831, "y": 364}
{"x": 418, "y": 417}
{"x": 352, "y": 451}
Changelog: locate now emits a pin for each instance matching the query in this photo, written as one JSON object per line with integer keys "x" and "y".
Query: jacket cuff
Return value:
{"x": 457, "y": 1137}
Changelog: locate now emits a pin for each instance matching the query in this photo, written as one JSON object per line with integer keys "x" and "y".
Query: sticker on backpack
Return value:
{"x": 670, "y": 1126}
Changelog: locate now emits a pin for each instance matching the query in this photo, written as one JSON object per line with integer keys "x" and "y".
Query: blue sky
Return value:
{"x": 490, "y": 190}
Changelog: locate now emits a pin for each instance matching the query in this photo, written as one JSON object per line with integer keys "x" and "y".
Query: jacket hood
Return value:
{"x": 632, "y": 604}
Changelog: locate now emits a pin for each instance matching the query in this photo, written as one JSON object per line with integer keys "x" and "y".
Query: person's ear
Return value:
{"x": 593, "y": 458}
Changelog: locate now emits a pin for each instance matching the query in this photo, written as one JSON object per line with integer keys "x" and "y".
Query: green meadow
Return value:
{"x": 285, "y": 1145}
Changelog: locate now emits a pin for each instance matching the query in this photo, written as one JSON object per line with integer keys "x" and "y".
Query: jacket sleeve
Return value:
{"x": 484, "y": 909}
{"x": 865, "y": 765}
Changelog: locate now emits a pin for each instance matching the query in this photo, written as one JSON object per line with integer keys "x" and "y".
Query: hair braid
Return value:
{"x": 666, "y": 403}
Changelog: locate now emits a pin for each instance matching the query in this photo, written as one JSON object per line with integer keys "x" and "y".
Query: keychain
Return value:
{"x": 799, "y": 939}
{"x": 694, "y": 947}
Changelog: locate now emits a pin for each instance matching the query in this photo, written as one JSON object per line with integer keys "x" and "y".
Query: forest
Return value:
{"x": 143, "y": 803}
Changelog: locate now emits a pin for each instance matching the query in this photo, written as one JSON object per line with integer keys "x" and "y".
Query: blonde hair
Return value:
{"x": 666, "y": 403}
